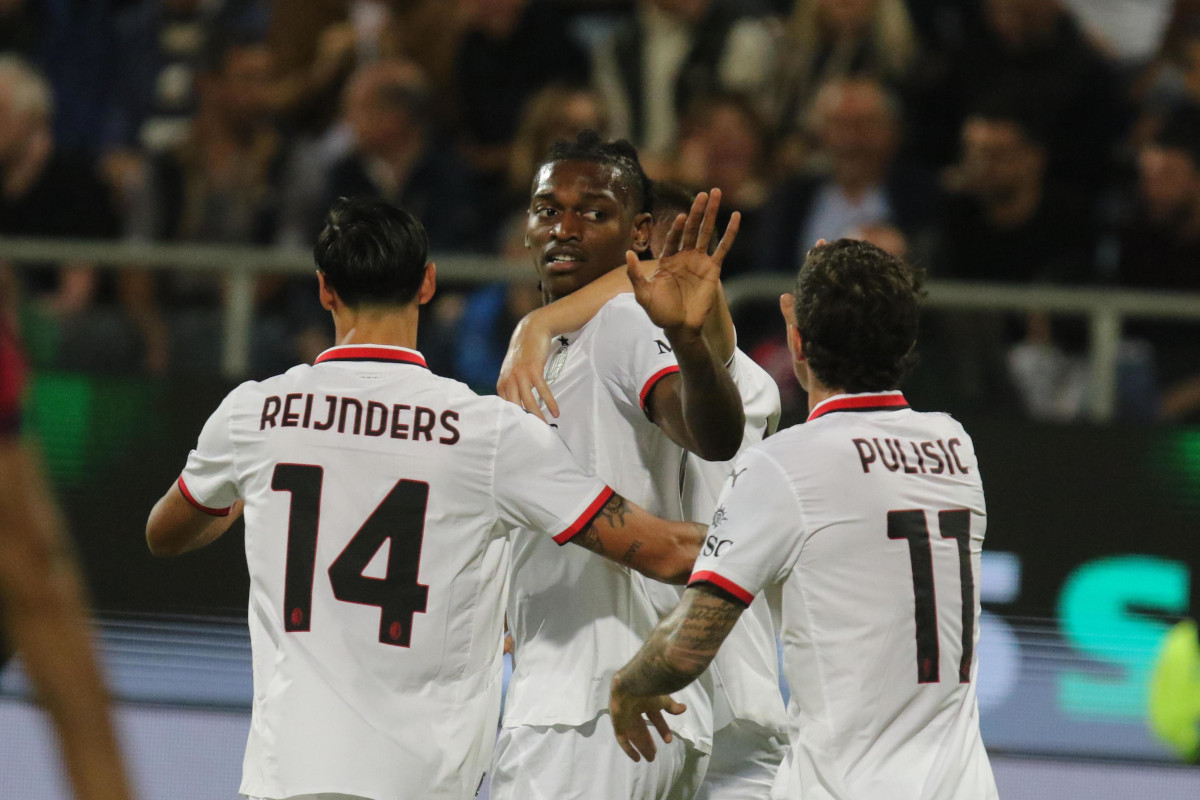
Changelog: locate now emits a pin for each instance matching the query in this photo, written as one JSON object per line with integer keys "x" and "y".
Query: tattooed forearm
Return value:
{"x": 629, "y": 554}
{"x": 615, "y": 511}
{"x": 681, "y": 647}
{"x": 589, "y": 537}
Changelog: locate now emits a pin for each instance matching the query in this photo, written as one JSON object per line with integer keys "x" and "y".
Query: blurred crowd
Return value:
{"x": 1020, "y": 141}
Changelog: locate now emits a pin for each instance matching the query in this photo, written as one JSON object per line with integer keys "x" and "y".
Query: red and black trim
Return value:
{"x": 216, "y": 512}
{"x": 372, "y": 352}
{"x": 654, "y": 379}
{"x": 585, "y": 519}
{"x": 724, "y": 584}
{"x": 893, "y": 401}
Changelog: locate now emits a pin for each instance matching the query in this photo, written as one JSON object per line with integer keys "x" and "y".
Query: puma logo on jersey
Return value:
{"x": 735, "y": 475}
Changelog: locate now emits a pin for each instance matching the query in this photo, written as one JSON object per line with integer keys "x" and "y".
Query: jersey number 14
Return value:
{"x": 399, "y": 520}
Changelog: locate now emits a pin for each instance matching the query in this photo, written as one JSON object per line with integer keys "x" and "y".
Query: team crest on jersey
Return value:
{"x": 558, "y": 360}
{"x": 718, "y": 517}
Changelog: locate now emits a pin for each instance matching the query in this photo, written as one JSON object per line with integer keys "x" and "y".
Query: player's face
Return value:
{"x": 580, "y": 224}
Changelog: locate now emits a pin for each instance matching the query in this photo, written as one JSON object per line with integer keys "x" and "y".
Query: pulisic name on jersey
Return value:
{"x": 350, "y": 415}
{"x": 897, "y": 455}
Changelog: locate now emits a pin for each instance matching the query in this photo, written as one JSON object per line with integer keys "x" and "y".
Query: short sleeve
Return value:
{"x": 209, "y": 481}
{"x": 538, "y": 483}
{"x": 632, "y": 354}
{"x": 756, "y": 532}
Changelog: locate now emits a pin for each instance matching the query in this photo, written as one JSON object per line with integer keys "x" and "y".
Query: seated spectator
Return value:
{"x": 511, "y": 49}
{"x": 219, "y": 185}
{"x": 396, "y": 157}
{"x": 555, "y": 112}
{"x": 830, "y": 39}
{"x": 723, "y": 143}
{"x": 46, "y": 192}
{"x": 857, "y": 122}
{"x": 672, "y": 52}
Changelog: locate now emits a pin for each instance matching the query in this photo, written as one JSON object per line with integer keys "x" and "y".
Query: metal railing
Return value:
{"x": 1105, "y": 309}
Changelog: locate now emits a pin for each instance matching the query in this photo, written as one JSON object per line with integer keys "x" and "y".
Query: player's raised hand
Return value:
{"x": 685, "y": 288}
{"x": 629, "y": 715}
{"x": 522, "y": 373}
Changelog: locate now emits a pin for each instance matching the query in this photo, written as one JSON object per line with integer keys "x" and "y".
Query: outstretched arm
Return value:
{"x": 630, "y": 535}
{"x": 678, "y": 650}
{"x": 699, "y": 408}
{"x": 42, "y": 599}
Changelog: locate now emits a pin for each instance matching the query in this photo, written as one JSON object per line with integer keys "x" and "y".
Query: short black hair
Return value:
{"x": 857, "y": 308}
{"x": 372, "y": 252}
{"x": 618, "y": 154}
{"x": 670, "y": 200}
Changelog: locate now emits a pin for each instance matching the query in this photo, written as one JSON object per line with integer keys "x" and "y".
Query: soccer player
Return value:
{"x": 635, "y": 388}
{"x": 749, "y": 723}
{"x": 870, "y": 517}
{"x": 379, "y": 500}
{"x": 42, "y": 607}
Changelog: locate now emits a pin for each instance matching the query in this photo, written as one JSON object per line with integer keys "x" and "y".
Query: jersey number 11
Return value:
{"x": 399, "y": 519}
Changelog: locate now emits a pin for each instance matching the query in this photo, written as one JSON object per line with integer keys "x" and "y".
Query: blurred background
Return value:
{"x": 165, "y": 166}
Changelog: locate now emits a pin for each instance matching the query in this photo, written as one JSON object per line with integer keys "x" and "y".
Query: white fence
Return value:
{"x": 1105, "y": 309}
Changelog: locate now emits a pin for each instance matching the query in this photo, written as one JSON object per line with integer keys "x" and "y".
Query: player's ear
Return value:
{"x": 326, "y": 294}
{"x": 643, "y": 226}
{"x": 428, "y": 284}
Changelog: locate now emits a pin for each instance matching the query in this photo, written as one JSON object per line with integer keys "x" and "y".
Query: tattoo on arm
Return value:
{"x": 682, "y": 646}
{"x": 615, "y": 511}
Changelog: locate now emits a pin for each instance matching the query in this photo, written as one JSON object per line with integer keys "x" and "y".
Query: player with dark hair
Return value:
{"x": 379, "y": 501}
{"x": 635, "y": 388}
{"x": 749, "y": 723}
{"x": 867, "y": 518}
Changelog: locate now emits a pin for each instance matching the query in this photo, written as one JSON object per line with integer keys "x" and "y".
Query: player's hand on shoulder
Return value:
{"x": 629, "y": 717}
{"x": 522, "y": 379}
{"x": 685, "y": 288}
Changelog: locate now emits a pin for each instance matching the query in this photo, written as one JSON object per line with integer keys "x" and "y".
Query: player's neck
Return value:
{"x": 386, "y": 326}
{"x": 818, "y": 393}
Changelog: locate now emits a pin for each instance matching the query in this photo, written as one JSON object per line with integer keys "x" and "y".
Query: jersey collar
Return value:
{"x": 870, "y": 401}
{"x": 372, "y": 352}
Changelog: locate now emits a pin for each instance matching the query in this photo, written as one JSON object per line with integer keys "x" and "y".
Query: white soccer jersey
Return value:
{"x": 872, "y": 518}
{"x": 745, "y": 673}
{"x": 379, "y": 499}
{"x": 576, "y": 619}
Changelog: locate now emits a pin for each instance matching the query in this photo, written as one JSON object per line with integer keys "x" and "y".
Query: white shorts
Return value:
{"x": 534, "y": 762}
{"x": 745, "y": 759}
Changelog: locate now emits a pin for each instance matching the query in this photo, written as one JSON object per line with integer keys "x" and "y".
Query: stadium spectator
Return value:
{"x": 511, "y": 49}
{"x": 1035, "y": 50}
{"x": 397, "y": 158}
{"x": 723, "y": 142}
{"x": 47, "y": 192}
{"x": 831, "y": 39}
{"x": 556, "y": 112}
{"x": 1006, "y": 222}
{"x": 218, "y": 185}
{"x": 672, "y": 52}
{"x": 857, "y": 122}
{"x": 1160, "y": 249}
